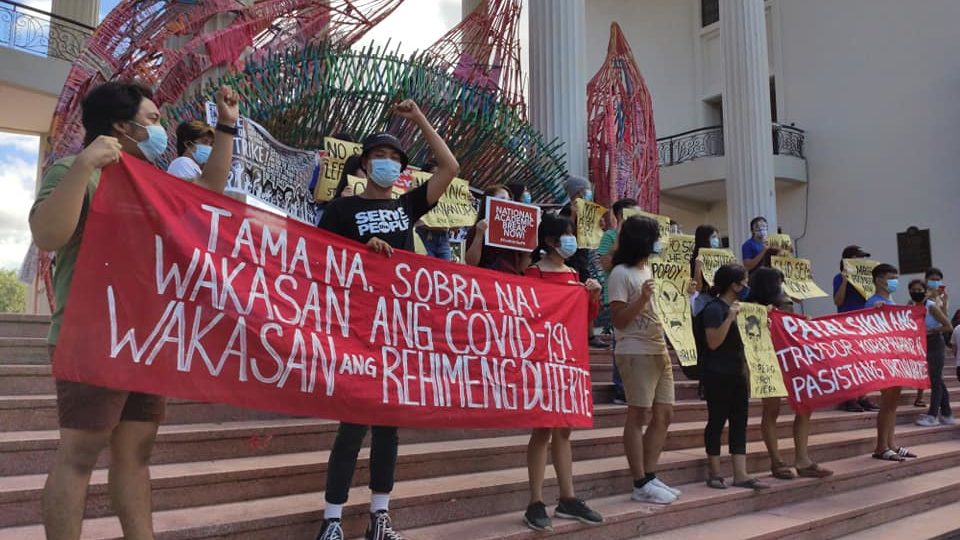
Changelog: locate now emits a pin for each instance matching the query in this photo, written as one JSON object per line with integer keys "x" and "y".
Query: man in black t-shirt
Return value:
{"x": 383, "y": 223}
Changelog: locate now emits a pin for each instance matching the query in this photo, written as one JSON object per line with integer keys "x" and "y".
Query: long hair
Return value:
{"x": 552, "y": 227}
{"x": 637, "y": 236}
{"x": 765, "y": 286}
{"x": 726, "y": 276}
{"x": 490, "y": 191}
{"x": 350, "y": 167}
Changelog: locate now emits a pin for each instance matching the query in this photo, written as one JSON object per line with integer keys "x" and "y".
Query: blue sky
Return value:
{"x": 18, "y": 152}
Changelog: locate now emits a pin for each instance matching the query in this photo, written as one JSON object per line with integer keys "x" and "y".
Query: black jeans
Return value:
{"x": 939, "y": 396}
{"x": 728, "y": 399}
{"x": 343, "y": 460}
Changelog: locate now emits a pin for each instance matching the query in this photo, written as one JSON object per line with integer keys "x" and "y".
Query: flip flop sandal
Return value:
{"x": 716, "y": 482}
{"x": 903, "y": 452}
{"x": 780, "y": 471}
{"x": 919, "y": 403}
{"x": 889, "y": 455}
{"x": 814, "y": 471}
{"x": 753, "y": 484}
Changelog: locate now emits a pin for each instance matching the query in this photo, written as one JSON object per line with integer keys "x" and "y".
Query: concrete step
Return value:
{"x": 490, "y": 505}
{"x": 835, "y": 514}
{"x": 940, "y": 523}
{"x": 742, "y": 512}
{"x": 25, "y": 380}
{"x": 16, "y": 325}
{"x": 24, "y": 350}
{"x": 260, "y": 476}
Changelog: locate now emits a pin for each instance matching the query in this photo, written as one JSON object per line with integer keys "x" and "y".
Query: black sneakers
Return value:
{"x": 331, "y": 530}
{"x": 536, "y": 517}
{"x": 578, "y": 510}
{"x": 380, "y": 528}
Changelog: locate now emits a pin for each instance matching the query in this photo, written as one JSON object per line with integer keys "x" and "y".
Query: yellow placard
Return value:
{"x": 798, "y": 278}
{"x": 860, "y": 274}
{"x": 671, "y": 277}
{"x": 766, "y": 379}
{"x": 358, "y": 184}
{"x": 454, "y": 209}
{"x": 783, "y": 242}
{"x": 712, "y": 259}
{"x": 589, "y": 224}
{"x": 332, "y": 167}
{"x": 678, "y": 248}
{"x": 663, "y": 221}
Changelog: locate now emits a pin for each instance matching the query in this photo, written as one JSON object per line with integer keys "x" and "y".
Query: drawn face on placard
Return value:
{"x": 754, "y": 332}
{"x": 674, "y": 304}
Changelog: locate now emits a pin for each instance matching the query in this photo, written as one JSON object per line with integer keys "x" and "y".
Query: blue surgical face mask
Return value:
{"x": 588, "y": 195}
{"x": 762, "y": 232}
{"x": 744, "y": 293}
{"x": 714, "y": 242}
{"x": 155, "y": 144}
{"x": 384, "y": 172}
{"x": 201, "y": 153}
{"x": 526, "y": 198}
{"x": 568, "y": 246}
{"x": 657, "y": 248}
{"x": 934, "y": 284}
{"x": 892, "y": 285}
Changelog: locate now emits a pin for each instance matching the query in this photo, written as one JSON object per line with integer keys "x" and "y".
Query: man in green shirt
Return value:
{"x": 608, "y": 244}
{"x": 117, "y": 117}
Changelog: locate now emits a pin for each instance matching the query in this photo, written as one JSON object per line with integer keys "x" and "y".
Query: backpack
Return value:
{"x": 700, "y": 338}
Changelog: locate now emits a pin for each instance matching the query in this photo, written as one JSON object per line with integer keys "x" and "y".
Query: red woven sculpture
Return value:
{"x": 163, "y": 44}
{"x": 622, "y": 140}
{"x": 484, "y": 50}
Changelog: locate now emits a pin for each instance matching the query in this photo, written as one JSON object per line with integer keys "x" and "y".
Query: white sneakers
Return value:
{"x": 947, "y": 421}
{"x": 661, "y": 485}
{"x": 651, "y": 492}
{"x": 926, "y": 420}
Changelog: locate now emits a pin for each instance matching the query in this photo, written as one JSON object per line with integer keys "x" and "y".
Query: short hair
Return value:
{"x": 344, "y": 136}
{"x": 933, "y": 271}
{"x": 552, "y": 226}
{"x": 516, "y": 190}
{"x": 726, "y": 276}
{"x": 490, "y": 191}
{"x": 637, "y": 236}
{"x": 919, "y": 282}
{"x": 884, "y": 269}
{"x": 110, "y": 103}
{"x": 191, "y": 131}
{"x": 754, "y": 221}
{"x": 621, "y": 205}
{"x": 765, "y": 286}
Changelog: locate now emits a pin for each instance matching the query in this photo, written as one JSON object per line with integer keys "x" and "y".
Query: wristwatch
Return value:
{"x": 229, "y": 130}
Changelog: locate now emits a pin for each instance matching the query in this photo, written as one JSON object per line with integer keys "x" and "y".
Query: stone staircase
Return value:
{"x": 223, "y": 472}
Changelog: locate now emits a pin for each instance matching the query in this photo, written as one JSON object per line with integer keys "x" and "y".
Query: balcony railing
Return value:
{"x": 708, "y": 142}
{"x": 38, "y": 32}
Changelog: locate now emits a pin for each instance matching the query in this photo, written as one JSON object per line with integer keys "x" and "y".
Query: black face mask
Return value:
{"x": 917, "y": 296}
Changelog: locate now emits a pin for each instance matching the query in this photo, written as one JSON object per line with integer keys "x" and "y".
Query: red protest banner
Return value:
{"x": 189, "y": 294}
{"x": 835, "y": 358}
{"x": 512, "y": 225}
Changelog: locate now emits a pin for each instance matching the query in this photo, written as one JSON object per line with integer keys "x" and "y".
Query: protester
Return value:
{"x": 936, "y": 292}
{"x": 436, "y": 240}
{"x": 117, "y": 118}
{"x": 519, "y": 192}
{"x": 756, "y": 251}
{"x": 705, "y": 237}
{"x": 766, "y": 288}
{"x": 886, "y": 280}
{"x": 937, "y": 324}
{"x": 510, "y": 261}
{"x": 557, "y": 240}
{"x": 582, "y": 260}
{"x": 194, "y": 146}
{"x": 384, "y": 224}
{"x": 847, "y": 298}
{"x": 641, "y": 355}
{"x": 675, "y": 227}
{"x": 352, "y": 166}
{"x": 955, "y": 341}
{"x": 605, "y": 251}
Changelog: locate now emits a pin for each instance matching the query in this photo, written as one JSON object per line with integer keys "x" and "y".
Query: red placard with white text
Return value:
{"x": 185, "y": 293}
{"x": 512, "y": 225}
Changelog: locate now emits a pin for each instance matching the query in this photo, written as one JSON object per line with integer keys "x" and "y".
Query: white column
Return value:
{"x": 747, "y": 127}
{"x": 467, "y": 7}
{"x": 558, "y": 83}
{"x": 82, "y": 11}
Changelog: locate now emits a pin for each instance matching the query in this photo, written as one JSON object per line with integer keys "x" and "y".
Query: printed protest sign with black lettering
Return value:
{"x": 671, "y": 275}
{"x": 712, "y": 259}
{"x": 798, "y": 278}
{"x": 337, "y": 152}
{"x": 765, "y": 377}
{"x": 860, "y": 274}
{"x": 511, "y": 225}
{"x": 589, "y": 224}
{"x": 454, "y": 209}
{"x": 204, "y": 298}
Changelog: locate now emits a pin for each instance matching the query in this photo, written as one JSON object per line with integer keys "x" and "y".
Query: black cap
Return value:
{"x": 854, "y": 252}
{"x": 379, "y": 140}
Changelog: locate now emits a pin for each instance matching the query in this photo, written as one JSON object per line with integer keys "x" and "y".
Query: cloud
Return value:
{"x": 18, "y": 172}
